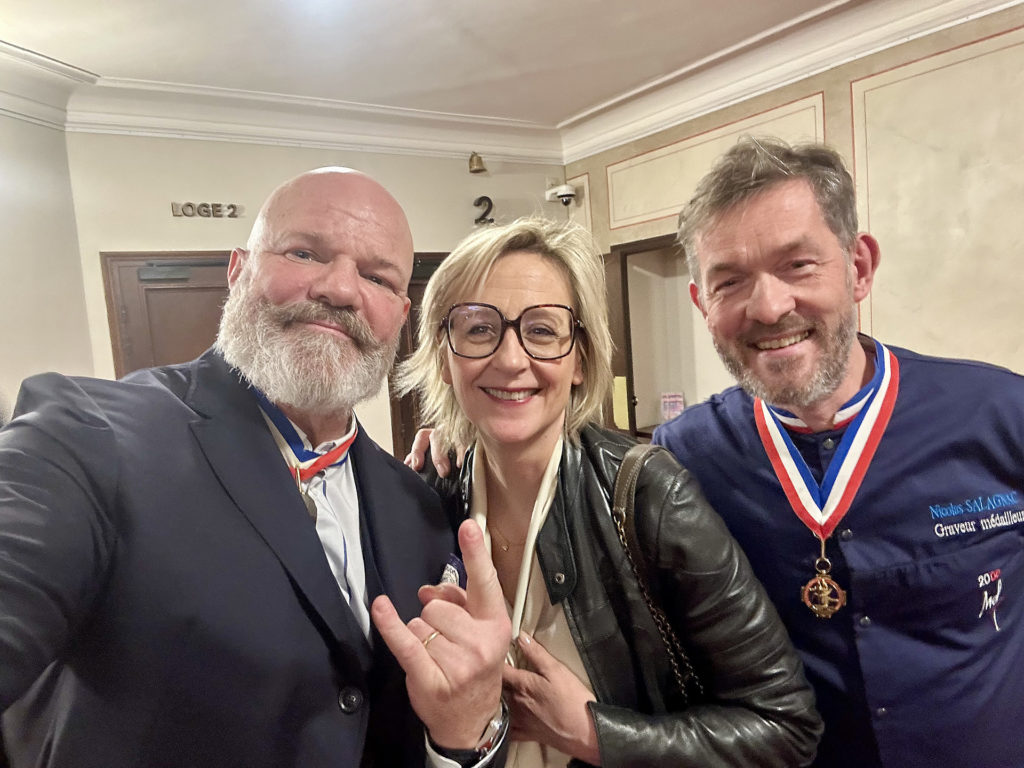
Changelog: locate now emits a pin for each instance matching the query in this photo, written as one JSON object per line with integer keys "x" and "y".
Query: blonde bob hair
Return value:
{"x": 463, "y": 272}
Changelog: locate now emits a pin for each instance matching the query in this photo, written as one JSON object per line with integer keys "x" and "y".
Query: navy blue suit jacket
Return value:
{"x": 165, "y": 599}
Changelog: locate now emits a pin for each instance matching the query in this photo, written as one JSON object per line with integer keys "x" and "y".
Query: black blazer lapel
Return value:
{"x": 242, "y": 453}
{"x": 406, "y": 539}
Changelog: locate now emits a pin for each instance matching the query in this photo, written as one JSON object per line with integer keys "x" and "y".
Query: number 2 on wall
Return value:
{"x": 483, "y": 202}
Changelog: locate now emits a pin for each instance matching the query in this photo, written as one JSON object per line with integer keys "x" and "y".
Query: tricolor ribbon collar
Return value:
{"x": 822, "y": 507}
{"x": 305, "y": 462}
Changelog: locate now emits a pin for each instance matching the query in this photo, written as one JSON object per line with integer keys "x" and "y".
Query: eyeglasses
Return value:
{"x": 545, "y": 331}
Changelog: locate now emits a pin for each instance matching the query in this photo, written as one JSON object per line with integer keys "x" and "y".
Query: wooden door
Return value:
{"x": 163, "y": 307}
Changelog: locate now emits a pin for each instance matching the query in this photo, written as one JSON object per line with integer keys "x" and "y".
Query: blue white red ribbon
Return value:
{"x": 822, "y": 507}
{"x": 305, "y": 463}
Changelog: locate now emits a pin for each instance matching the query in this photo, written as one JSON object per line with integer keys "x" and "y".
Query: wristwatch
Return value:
{"x": 493, "y": 735}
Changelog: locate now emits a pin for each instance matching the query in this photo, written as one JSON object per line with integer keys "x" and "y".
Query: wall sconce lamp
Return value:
{"x": 476, "y": 164}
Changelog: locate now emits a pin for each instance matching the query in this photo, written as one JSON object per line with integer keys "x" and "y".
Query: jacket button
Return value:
{"x": 846, "y": 534}
{"x": 350, "y": 699}
{"x": 559, "y": 578}
{"x": 864, "y": 621}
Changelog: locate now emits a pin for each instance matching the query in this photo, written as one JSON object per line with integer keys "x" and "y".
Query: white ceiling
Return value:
{"x": 532, "y": 79}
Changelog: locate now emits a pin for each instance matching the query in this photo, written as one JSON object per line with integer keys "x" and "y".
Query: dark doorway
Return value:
{"x": 405, "y": 416}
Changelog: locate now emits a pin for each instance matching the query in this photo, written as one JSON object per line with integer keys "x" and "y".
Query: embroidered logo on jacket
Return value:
{"x": 991, "y": 586}
{"x": 986, "y": 513}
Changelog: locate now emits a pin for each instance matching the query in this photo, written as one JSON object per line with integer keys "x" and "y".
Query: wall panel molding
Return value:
{"x": 656, "y": 184}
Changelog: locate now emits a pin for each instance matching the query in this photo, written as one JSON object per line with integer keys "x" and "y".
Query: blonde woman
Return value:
{"x": 514, "y": 360}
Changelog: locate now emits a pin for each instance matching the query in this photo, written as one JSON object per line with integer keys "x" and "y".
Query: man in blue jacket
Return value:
{"x": 878, "y": 493}
{"x": 212, "y": 565}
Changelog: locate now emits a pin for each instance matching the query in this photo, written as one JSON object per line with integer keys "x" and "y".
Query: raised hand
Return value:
{"x": 418, "y": 452}
{"x": 549, "y": 705}
{"x": 453, "y": 653}
{"x": 438, "y": 453}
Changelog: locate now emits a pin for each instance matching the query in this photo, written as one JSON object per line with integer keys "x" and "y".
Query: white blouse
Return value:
{"x": 532, "y": 611}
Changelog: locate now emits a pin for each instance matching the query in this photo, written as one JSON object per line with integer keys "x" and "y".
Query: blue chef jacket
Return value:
{"x": 924, "y": 667}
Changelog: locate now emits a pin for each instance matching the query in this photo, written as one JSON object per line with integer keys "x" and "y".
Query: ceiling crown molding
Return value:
{"x": 35, "y": 88}
{"x": 143, "y": 108}
{"x": 815, "y": 48}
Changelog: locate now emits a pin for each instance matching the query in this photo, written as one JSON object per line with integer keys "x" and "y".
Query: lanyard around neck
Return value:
{"x": 305, "y": 462}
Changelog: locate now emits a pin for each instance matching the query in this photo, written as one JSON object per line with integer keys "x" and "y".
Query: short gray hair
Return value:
{"x": 572, "y": 249}
{"x": 755, "y": 164}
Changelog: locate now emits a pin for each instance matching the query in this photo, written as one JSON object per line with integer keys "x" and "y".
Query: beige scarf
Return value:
{"x": 531, "y": 611}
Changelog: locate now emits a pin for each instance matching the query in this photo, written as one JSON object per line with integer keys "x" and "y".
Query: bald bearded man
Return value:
{"x": 190, "y": 557}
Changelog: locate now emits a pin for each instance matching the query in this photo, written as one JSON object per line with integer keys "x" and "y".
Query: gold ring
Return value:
{"x": 430, "y": 637}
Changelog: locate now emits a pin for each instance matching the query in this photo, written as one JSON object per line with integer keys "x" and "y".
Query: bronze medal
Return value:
{"x": 822, "y": 594}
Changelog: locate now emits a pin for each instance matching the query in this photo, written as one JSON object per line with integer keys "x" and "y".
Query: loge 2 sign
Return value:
{"x": 207, "y": 210}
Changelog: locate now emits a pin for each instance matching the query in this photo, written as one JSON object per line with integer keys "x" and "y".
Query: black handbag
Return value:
{"x": 623, "y": 499}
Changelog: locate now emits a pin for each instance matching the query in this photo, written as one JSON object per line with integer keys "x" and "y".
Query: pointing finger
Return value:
{"x": 515, "y": 679}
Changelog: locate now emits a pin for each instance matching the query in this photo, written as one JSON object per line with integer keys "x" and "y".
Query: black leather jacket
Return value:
{"x": 757, "y": 709}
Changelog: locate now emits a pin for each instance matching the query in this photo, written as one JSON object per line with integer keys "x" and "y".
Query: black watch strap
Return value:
{"x": 464, "y": 757}
{"x": 491, "y": 737}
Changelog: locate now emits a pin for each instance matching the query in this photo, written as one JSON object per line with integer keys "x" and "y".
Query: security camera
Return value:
{"x": 566, "y": 193}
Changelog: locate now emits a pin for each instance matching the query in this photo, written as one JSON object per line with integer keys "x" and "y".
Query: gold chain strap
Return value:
{"x": 623, "y": 498}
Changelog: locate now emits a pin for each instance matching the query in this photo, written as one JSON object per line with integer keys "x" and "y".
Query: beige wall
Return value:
{"x": 939, "y": 163}
{"x": 123, "y": 187}
{"x": 42, "y": 306}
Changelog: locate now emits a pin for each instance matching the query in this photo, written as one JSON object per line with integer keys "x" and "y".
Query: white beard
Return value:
{"x": 312, "y": 372}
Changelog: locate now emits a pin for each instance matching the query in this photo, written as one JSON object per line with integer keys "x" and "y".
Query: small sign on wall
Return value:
{"x": 672, "y": 404}
{"x": 208, "y": 210}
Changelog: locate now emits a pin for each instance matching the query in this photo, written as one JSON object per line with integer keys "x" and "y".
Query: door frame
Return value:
{"x": 623, "y": 251}
{"x": 109, "y": 261}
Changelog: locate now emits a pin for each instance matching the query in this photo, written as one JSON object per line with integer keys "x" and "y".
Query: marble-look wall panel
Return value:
{"x": 939, "y": 162}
